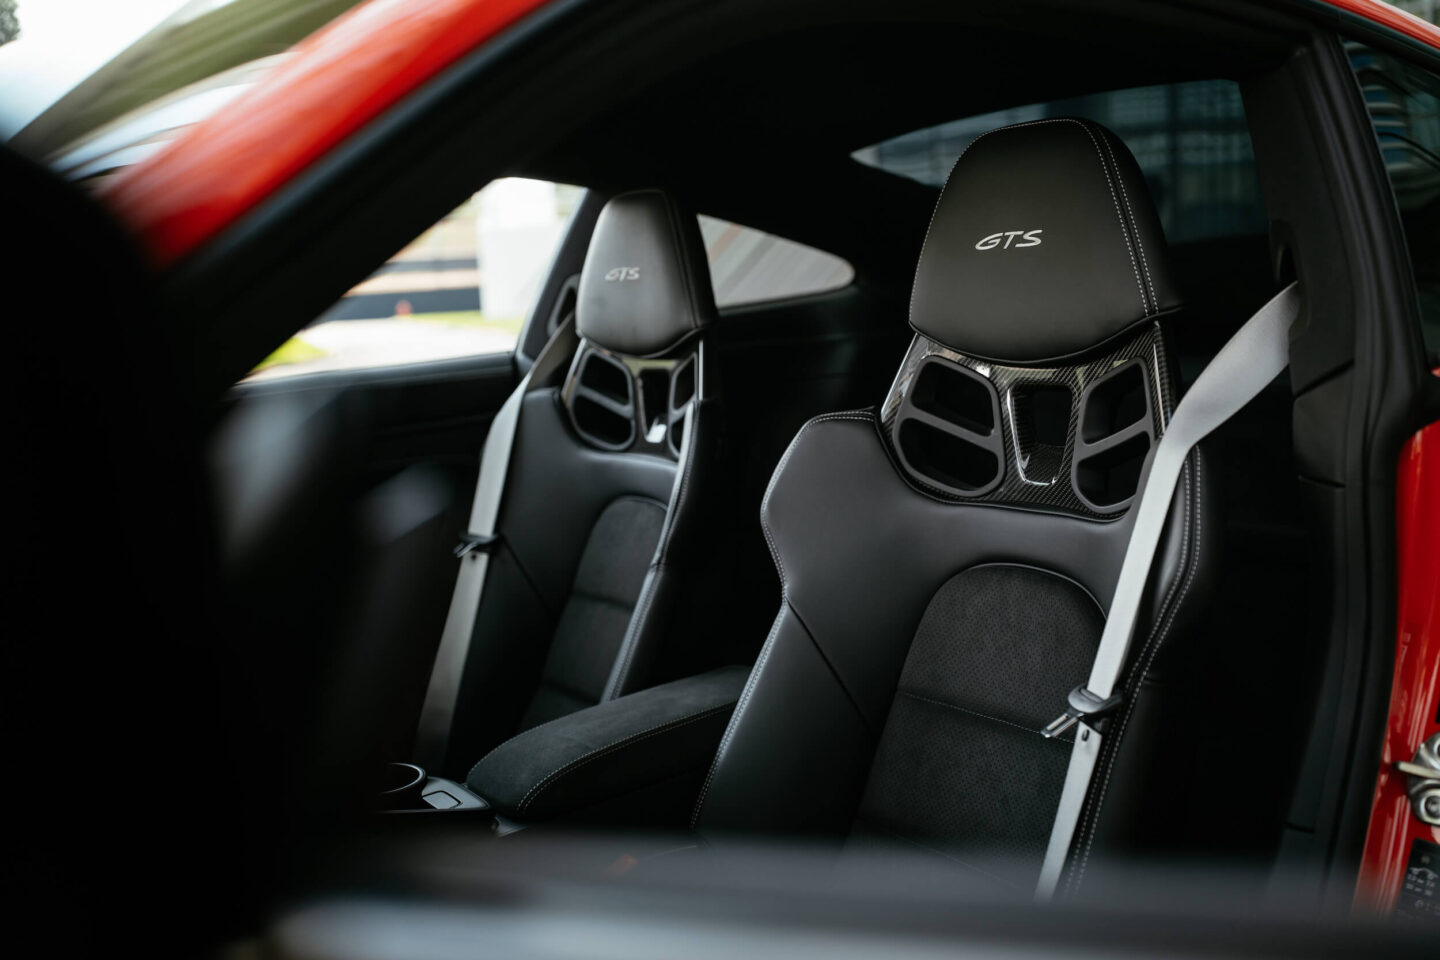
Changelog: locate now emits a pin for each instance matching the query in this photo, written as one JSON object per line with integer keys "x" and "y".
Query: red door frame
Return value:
{"x": 1414, "y": 693}
{"x": 337, "y": 81}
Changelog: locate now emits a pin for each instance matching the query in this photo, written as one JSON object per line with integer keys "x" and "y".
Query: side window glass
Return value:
{"x": 461, "y": 288}
{"x": 1190, "y": 140}
{"x": 751, "y": 266}
{"x": 1404, "y": 104}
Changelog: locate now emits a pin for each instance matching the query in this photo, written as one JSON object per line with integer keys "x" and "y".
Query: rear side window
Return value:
{"x": 1404, "y": 105}
{"x": 752, "y": 266}
{"x": 1190, "y": 140}
{"x": 460, "y": 289}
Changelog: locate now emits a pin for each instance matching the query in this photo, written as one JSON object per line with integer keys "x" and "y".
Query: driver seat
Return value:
{"x": 947, "y": 558}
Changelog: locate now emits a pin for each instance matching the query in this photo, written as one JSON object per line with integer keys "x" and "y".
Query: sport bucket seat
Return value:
{"x": 598, "y": 508}
{"x": 947, "y": 559}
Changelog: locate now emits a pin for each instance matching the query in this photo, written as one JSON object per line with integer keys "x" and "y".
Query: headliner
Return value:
{"x": 759, "y": 130}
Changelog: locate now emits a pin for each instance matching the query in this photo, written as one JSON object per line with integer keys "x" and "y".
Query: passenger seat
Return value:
{"x": 599, "y": 510}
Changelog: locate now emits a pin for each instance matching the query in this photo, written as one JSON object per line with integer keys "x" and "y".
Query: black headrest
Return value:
{"x": 1044, "y": 245}
{"x": 645, "y": 286}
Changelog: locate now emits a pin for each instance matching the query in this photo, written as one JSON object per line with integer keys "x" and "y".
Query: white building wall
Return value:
{"x": 518, "y": 227}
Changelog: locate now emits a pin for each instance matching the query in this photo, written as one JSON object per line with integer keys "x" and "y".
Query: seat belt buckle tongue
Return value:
{"x": 475, "y": 543}
{"x": 1083, "y": 705}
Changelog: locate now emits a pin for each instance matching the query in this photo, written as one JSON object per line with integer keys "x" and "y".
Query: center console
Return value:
{"x": 635, "y": 760}
{"x": 408, "y": 789}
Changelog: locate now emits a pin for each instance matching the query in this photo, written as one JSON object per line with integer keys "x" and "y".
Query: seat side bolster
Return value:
{"x": 795, "y": 755}
{"x": 1140, "y": 783}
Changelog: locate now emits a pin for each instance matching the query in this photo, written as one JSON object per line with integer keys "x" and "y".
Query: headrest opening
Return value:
{"x": 1064, "y": 438}
{"x": 1044, "y": 246}
{"x": 631, "y": 405}
{"x": 645, "y": 287}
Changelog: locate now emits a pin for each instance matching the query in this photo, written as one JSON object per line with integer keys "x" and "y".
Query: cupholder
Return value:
{"x": 401, "y": 786}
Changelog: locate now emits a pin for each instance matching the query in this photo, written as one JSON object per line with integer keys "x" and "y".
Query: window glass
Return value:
{"x": 461, "y": 288}
{"x": 750, "y": 266}
{"x": 1190, "y": 140}
{"x": 1404, "y": 104}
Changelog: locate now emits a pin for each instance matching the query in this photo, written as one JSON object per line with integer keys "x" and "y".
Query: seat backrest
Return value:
{"x": 947, "y": 558}
{"x": 600, "y": 497}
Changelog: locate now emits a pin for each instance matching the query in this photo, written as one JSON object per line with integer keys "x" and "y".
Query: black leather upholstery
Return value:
{"x": 645, "y": 286}
{"x": 614, "y": 749}
{"x": 922, "y": 640}
{"x": 1044, "y": 245}
{"x": 558, "y": 490}
{"x": 797, "y": 754}
{"x": 682, "y": 541}
{"x": 594, "y": 535}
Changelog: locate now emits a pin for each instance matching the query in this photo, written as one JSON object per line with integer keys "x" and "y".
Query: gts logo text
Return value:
{"x": 1006, "y": 238}
{"x": 623, "y": 273}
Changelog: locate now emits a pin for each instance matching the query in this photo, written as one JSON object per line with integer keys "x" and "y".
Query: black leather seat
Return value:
{"x": 947, "y": 558}
{"x": 600, "y": 501}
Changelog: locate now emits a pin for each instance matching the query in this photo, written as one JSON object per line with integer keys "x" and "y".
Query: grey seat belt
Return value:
{"x": 1253, "y": 357}
{"x": 432, "y": 736}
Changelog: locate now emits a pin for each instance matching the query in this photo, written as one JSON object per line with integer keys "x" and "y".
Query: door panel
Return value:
{"x": 433, "y": 413}
{"x": 430, "y": 416}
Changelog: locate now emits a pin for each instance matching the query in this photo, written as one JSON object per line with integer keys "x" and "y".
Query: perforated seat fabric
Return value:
{"x": 997, "y": 648}
{"x": 595, "y": 532}
{"x": 937, "y": 607}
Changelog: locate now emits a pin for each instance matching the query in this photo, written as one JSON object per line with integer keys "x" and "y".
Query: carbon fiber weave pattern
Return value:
{"x": 1031, "y": 475}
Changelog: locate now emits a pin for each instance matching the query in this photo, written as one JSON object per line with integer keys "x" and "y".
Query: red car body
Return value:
{"x": 1414, "y": 692}
{"x": 367, "y": 61}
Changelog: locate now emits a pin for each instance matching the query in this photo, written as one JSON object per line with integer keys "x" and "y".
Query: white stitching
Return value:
{"x": 1134, "y": 225}
{"x": 925, "y": 243}
{"x": 1144, "y": 306}
{"x": 476, "y": 765}
{"x": 612, "y": 747}
{"x": 1152, "y": 647}
{"x": 864, "y": 416}
{"x": 977, "y": 713}
{"x": 1092, "y": 807}
{"x": 750, "y": 683}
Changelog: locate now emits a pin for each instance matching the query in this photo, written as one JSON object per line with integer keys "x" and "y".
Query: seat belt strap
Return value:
{"x": 437, "y": 714}
{"x": 1253, "y": 357}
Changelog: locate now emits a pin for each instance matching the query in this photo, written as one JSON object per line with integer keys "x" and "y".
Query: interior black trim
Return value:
{"x": 1356, "y": 372}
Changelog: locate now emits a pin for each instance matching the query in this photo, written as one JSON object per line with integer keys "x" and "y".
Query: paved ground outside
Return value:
{"x": 353, "y": 344}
